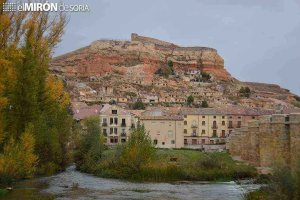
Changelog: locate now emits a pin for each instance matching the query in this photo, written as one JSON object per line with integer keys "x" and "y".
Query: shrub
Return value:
{"x": 190, "y": 100}
{"x": 245, "y": 92}
{"x": 204, "y": 104}
{"x": 138, "y": 105}
{"x": 137, "y": 152}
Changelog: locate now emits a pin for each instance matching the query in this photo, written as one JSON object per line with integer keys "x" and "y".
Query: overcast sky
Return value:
{"x": 258, "y": 39}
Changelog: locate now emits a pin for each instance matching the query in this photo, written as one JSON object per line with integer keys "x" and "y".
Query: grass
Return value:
{"x": 256, "y": 195}
{"x": 3, "y": 192}
{"x": 191, "y": 165}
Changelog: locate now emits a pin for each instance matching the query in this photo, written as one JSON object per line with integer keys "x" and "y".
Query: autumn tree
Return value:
{"x": 138, "y": 151}
{"x": 29, "y": 96}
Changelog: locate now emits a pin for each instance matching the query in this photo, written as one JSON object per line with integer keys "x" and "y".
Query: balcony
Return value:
{"x": 104, "y": 124}
{"x": 123, "y": 124}
{"x": 194, "y": 135}
{"x": 214, "y": 126}
{"x": 123, "y": 134}
{"x": 194, "y": 126}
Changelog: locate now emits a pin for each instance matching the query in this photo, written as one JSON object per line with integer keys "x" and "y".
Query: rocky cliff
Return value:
{"x": 125, "y": 71}
{"x": 146, "y": 54}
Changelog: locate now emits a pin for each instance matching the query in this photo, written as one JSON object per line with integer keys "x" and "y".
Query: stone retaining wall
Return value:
{"x": 268, "y": 141}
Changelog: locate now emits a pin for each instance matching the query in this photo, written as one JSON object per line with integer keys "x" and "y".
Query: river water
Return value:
{"x": 72, "y": 184}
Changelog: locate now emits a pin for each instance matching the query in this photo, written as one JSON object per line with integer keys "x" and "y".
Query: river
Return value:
{"x": 73, "y": 184}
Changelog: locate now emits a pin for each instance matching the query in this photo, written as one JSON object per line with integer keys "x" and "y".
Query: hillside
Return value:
{"x": 156, "y": 71}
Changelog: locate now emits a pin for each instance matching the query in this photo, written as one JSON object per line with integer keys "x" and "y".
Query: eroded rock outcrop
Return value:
{"x": 146, "y": 54}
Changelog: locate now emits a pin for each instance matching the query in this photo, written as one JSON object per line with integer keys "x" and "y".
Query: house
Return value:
{"x": 116, "y": 124}
{"x": 165, "y": 131}
{"x": 204, "y": 126}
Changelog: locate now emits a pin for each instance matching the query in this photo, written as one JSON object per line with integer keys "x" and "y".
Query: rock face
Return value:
{"x": 124, "y": 71}
{"x": 144, "y": 54}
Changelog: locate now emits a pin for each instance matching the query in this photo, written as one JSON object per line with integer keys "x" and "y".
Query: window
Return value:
{"x": 185, "y": 131}
{"x": 230, "y": 124}
{"x": 116, "y": 140}
{"x": 172, "y": 141}
{"x": 214, "y": 133}
{"x": 203, "y": 141}
{"x": 194, "y": 132}
{"x": 203, "y": 132}
{"x": 203, "y": 117}
{"x": 155, "y": 141}
{"x": 203, "y": 123}
{"x": 116, "y": 130}
{"x": 123, "y": 140}
{"x": 163, "y": 143}
{"x": 111, "y": 130}
{"x": 111, "y": 120}
{"x": 184, "y": 116}
{"x": 223, "y": 123}
{"x": 215, "y": 117}
{"x": 123, "y": 122}
{"x": 214, "y": 124}
{"x": 239, "y": 124}
{"x": 223, "y": 133}
{"x": 212, "y": 142}
{"x": 114, "y": 112}
{"x": 223, "y": 117}
{"x": 194, "y": 141}
{"x": 185, "y": 141}
{"x": 104, "y": 132}
{"x": 104, "y": 121}
{"x": 239, "y": 117}
{"x": 253, "y": 117}
{"x": 185, "y": 122}
{"x": 123, "y": 133}
{"x": 116, "y": 120}
{"x": 111, "y": 140}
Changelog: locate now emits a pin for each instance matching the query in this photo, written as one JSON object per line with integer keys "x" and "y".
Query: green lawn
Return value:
{"x": 191, "y": 165}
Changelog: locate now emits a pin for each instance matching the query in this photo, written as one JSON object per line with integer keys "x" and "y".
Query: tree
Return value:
{"x": 190, "y": 100}
{"x": 138, "y": 105}
{"x": 138, "y": 151}
{"x": 245, "y": 92}
{"x": 204, "y": 104}
{"x": 170, "y": 63}
{"x": 29, "y": 96}
{"x": 91, "y": 147}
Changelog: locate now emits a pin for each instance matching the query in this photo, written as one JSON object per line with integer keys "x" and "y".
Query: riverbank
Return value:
{"x": 60, "y": 186}
{"x": 174, "y": 165}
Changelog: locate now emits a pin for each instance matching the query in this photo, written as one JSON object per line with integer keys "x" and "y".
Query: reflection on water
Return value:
{"x": 72, "y": 184}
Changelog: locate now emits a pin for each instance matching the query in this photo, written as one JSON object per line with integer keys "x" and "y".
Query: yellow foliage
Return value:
{"x": 18, "y": 159}
{"x": 55, "y": 92}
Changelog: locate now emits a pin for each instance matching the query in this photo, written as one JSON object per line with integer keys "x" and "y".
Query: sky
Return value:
{"x": 258, "y": 39}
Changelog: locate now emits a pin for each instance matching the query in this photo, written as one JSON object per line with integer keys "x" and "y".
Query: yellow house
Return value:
{"x": 204, "y": 126}
{"x": 116, "y": 124}
{"x": 165, "y": 131}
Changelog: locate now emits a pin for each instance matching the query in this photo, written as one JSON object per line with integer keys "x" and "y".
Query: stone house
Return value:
{"x": 116, "y": 124}
{"x": 204, "y": 126}
{"x": 165, "y": 131}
